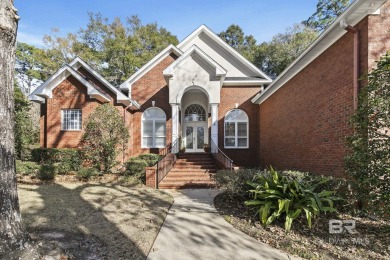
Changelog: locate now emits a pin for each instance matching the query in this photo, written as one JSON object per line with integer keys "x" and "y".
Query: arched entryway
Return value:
{"x": 194, "y": 107}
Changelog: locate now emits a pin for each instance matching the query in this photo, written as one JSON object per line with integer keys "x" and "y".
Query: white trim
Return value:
{"x": 148, "y": 66}
{"x": 143, "y": 146}
{"x": 46, "y": 88}
{"x": 245, "y": 82}
{"x": 352, "y": 15}
{"x": 236, "y": 131}
{"x": 204, "y": 29}
{"x": 120, "y": 97}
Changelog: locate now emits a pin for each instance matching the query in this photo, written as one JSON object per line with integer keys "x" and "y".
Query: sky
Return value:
{"x": 260, "y": 18}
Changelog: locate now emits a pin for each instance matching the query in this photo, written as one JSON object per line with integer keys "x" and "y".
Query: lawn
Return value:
{"x": 95, "y": 220}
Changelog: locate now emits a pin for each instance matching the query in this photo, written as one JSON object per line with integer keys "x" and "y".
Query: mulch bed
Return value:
{"x": 371, "y": 241}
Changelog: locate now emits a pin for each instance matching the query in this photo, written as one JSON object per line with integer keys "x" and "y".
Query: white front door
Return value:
{"x": 194, "y": 136}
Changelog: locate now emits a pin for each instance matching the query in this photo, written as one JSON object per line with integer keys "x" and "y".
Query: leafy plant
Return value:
{"x": 47, "y": 172}
{"x": 27, "y": 168}
{"x": 136, "y": 167}
{"x": 235, "y": 182}
{"x": 369, "y": 161}
{"x": 278, "y": 196}
{"x": 87, "y": 173}
{"x": 150, "y": 158}
{"x": 71, "y": 157}
{"x": 104, "y": 137}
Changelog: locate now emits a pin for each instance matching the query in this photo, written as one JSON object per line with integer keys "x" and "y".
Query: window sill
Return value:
{"x": 62, "y": 130}
{"x": 160, "y": 147}
{"x": 238, "y": 148}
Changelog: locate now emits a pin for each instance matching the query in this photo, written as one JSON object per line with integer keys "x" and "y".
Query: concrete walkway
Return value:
{"x": 193, "y": 229}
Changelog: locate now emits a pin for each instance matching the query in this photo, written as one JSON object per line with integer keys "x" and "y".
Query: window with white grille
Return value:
{"x": 71, "y": 119}
{"x": 236, "y": 129}
{"x": 153, "y": 128}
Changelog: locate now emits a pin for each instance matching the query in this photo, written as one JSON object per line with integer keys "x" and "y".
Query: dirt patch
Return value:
{"x": 94, "y": 220}
{"x": 371, "y": 240}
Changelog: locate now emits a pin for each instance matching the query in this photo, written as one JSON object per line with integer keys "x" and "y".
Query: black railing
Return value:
{"x": 223, "y": 160}
{"x": 168, "y": 159}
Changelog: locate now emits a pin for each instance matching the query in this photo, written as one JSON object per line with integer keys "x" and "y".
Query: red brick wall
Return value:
{"x": 303, "y": 125}
{"x": 378, "y": 35}
{"x": 151, "y": 87}
{"x": 242, "y": 95}
{"x": 71, "y": 94}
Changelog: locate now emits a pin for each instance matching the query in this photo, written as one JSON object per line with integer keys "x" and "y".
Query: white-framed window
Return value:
{"x": 71, "y": 119}
{"x": 236, "y": 129}
{"x": 153, "y": 132}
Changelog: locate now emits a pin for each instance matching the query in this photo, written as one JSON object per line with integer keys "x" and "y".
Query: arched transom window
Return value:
{"x": 195, "y": 112}
{"x": 236, "y": 129}
{"x": 153, "y": 128}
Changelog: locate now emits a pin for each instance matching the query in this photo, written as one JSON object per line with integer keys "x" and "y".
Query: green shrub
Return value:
{"x": 235, "y": 182}
{"x": 150, "y": 158}
{"x": 27, "y": 168}
{"x": 72, "y": 157}
{"x": 87, "y": 173}
{"x": 47, "y": 172}
{"x": 63, "y": 167}
{"x": 136, "y": 167}
{"x": 275, "y": 196}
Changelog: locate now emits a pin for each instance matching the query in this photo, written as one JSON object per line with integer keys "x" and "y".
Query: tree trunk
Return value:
{"x": 11, "y": 231}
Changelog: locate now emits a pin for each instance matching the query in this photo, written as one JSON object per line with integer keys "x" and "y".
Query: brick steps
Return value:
{"x": 191, "y": 170}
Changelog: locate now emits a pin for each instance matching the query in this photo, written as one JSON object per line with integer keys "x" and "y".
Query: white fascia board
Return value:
{"x": 148, "y": 66}
{"x": 45, "y": 90}
{"x": 203, "y": 28}
{"x": 245, "y": 82}
{"x": 120, "y": 97}
{"x": 219, "y": 70}
{"x": 36, "y": 99}
{"x": 352, "y": 15}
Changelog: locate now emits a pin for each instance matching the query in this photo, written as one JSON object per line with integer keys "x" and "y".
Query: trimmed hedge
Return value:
{"x": 150, "y": 158}
{"x": 47, "y": 172}
{"x": 27, "y": 168}
{"x": 67, "y": 159}
{"x": 87, "y": 173}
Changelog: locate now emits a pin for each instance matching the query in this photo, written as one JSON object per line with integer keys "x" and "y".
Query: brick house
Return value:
{"x": 202, "y": 91}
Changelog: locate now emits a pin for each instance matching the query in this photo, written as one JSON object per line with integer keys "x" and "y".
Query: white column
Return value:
{"x": 214, "y": 127}
{"x": 175, "y": 126}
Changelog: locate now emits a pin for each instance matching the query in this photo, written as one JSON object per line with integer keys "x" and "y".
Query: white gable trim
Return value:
{"x": 352, "y": 15}
{"x": 120, "y": 97}
{"x": 46, "y": 89}
{"x": 204, "y": 29}
{"x": 219, "y": 70}
{"x": 148, "y": 66}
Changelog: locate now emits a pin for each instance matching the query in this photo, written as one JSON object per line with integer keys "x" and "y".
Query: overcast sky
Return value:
{"x": 261, "y": 18}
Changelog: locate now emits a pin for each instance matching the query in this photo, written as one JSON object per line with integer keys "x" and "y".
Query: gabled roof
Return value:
{"x": 185, "y": 44}
{"x": 45, "y": 90}
{"x": 219, "y": 70}
{"x": 120, "y": 97}
{"x": 352, "y": 15}
{"x": 148, "y": 66}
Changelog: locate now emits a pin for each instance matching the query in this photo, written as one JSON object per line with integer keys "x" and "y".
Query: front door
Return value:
{"x": 194, "y": 137}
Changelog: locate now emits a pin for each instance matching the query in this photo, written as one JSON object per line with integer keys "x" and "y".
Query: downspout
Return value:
{"x": 356, "y": 67}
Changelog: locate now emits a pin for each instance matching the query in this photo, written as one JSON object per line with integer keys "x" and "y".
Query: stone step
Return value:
{"x": 190, "y": 170}
{"x": 186, "y": 185}
{"x": 187, "y": 162}
{"x": 195, "y": 166}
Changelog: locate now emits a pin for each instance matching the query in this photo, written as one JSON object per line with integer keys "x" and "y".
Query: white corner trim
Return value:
{"x": 204, "y": 29}
{"x": 356, "y": 11}
{"x": 148, "y": 66}
{"x": 219, "y": 70}
{"x": 245, "y": 82}
{"x": 120, "y": 97}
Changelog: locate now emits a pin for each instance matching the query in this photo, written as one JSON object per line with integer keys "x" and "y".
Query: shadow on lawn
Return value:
{"x": 125, "y": 220}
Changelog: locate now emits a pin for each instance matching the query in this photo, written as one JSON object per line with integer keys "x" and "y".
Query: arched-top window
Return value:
{"x": 195, "y": 112}
{"x": 153, "y": 128}
{"x": 236, "y": 129}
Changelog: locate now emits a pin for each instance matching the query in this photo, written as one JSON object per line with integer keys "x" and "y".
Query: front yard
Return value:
{"x": 94, "y": 220}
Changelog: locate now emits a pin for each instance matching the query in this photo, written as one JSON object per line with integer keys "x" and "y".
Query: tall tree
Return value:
{"x": 275, "y": 56}
{"x": 28, "y": 67}
{"x": 244, "y": 44}
{"x": 327, "y": 11}
{"x": 11, "y": 231}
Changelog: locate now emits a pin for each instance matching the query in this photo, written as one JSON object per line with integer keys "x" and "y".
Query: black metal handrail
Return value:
{"x": 165, "y": 164}
{"x": 221, "y": 157}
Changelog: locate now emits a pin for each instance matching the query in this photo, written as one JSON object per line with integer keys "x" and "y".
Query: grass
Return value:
{"x": 125, "y": 220}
